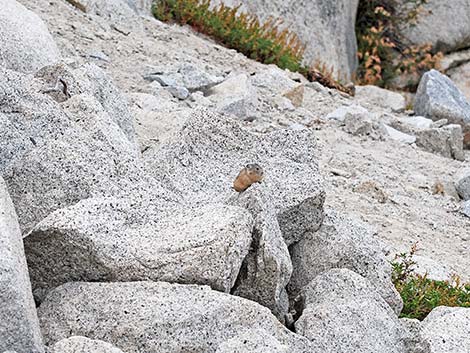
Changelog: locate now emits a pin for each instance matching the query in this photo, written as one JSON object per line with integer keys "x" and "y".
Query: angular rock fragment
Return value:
{"x": 236, "y": 96}
{"x": 342, "y": 310}
{"x": 342, "y": 242}
{"x": 438, "y": 98}
{"x": 446, "y": 141}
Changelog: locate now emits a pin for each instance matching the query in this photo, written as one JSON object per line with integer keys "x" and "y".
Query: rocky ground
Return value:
{"x": 412, "y": 212}
{"x": 201, "y": 111}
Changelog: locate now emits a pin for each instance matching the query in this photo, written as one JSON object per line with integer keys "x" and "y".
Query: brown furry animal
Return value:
{"x": 249, "y": 175}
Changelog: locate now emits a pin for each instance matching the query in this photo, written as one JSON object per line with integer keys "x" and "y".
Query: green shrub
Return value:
{"x": 263, "y": 42}
{"x": 386, "y": 58}
{"x": 420, "y": 294}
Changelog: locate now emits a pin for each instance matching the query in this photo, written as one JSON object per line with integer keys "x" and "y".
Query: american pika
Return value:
{"x": 250, "y": 174}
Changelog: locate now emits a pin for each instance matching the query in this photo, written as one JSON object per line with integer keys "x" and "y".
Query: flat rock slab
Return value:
{"x": 158, "y": 317}
{"x": 128, "y": 240}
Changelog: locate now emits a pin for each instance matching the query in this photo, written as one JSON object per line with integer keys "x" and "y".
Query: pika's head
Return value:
{"x": 255, "y": 171}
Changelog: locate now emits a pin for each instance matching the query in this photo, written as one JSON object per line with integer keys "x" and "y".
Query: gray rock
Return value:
{"x": 342, "y": 242}
{"x": 439, "y": 123}
{"x": 78, "y": 344}
{"x": 445, "y": 25}
{"x": 364, "y": 125}
{"x": 267, "y": 269}
{"x": 158, "y": 100}
{"x": 190, "y": 76}
{"x": 178, "y": 92}
{"x": 342, "y": 311}
{"x": 466, "y": 208}
{"x": 399, "y": 136}
{"x": 379, "y": 97}
{"x": 137, "y": 239}
{"x": 463, "y": 184}
{"x": 236, "y": 96}
{"x": 418, "y": 122}
{"x": 446, "y": 141}
{"x": 329, "y": 39}
{"x": 19, "y": 326}
{"x": 26, "y": 43}
{"x": 154, "y": 129}
{"x": 208, "y": 140}
{"x": 272, "y": 80}
{"x": 88, "y": 79}
{"x": 287, "y": 204}
{"x": 437, "y": 98}
{"x": 54, "y": 155}
{"x": 352, "y": 111}
{"x": 158, "y": 317}
{"x": 447, "y": 330}
{"x": 283, "y": 103}
{"x": 253, "y": 341}
{"x": 413, "y": 338}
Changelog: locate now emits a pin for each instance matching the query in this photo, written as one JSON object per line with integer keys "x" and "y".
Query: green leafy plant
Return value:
{"x": 385, "y": 57}
{"x": 420, "y": 294}
{"x": 264, "y": 42}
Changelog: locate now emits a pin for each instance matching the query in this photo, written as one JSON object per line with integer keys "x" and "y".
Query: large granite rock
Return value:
{"x": 343, "y": 312}
{"x": 201, "y": 165}
{"x": 444, "y": 24}
{"x": 447, "y": 330}
{"x": 206, "y": 155}
{"x": 343, "y": 242}
{"x": 327, "y": 28}
{"x": 65, "y": 136}
{"x": 78, "y": 344}
{"x": 91, "y": 80}
{"x": 437, "y": 98}
{"x": 139, "y": 239}
{"x": 19, "y": 326}
{"x": 26, "y": 43}
{"x": 158, "y": 317}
